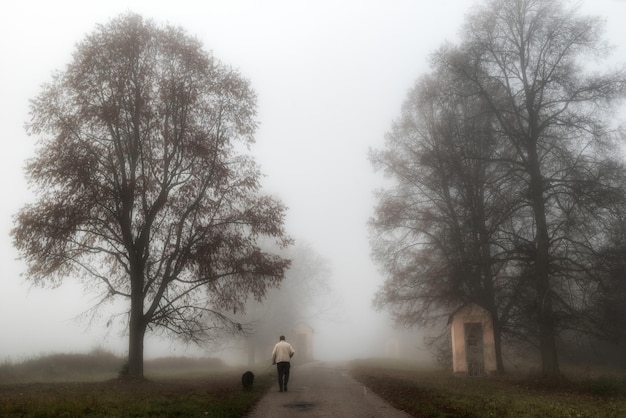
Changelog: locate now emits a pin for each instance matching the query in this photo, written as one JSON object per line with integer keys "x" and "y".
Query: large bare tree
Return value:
{"x": 526, "y": 59}
{"x": 144, "y": 187}
{"x": 509, "y": 215}
{"x": 437, "y": 233}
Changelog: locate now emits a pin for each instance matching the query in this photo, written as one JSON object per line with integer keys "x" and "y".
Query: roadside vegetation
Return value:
{"x": 89, "y": 385}
{"x": 432, "y": 392}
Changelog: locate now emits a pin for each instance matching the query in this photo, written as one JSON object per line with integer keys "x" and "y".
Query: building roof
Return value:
{"x": 462, "y": 307}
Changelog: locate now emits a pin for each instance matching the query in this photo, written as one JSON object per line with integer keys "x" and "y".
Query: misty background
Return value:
{"x": 330, "y": 79}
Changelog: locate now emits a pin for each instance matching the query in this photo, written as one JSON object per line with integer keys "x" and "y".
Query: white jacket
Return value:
{"x": 283, "y": 351}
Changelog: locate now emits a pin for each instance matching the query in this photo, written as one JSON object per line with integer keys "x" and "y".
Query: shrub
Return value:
{"x": 609, "y": 386}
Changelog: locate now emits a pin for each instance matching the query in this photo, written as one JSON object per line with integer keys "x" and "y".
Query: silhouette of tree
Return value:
{"x": 519, "y": 68}
{"x": 305, "y": 295}
{"x": 143, "y": 185}
{"x": 438, "y": 233}
{"x": 524, "y": 57}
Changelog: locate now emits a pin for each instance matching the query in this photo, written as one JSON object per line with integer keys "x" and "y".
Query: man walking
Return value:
{"x": 282, "y": 354}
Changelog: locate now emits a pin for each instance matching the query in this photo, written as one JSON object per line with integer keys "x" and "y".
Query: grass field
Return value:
{"x": 66, "y": 386}
{"x": 75, "y": 385}
{"x": 217, "y": 395}
{"x": 428, "y": 392}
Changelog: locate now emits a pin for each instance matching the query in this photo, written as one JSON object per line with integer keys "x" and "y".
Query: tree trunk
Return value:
{"x": 497, "y": 341}
{"x": 547, "y": 338}
{"x": 491, "y": 306}
{"x": 545, "y": 317}
{"x": 137, "y": 331}
{"x": 489, "y": 293}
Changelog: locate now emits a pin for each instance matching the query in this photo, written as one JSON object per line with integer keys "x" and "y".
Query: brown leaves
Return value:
{"x": 139, "y": 183}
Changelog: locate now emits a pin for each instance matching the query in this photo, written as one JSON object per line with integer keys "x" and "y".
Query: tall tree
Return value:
{"x": 143, "y": 187}
{"x": 526, "y": 59}
{"x": 437, "y": 232}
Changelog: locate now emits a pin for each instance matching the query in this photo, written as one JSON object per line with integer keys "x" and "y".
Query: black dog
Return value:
{"x": 247, "y": 379}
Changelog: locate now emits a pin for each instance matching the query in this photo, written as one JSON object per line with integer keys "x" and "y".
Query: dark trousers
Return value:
{"x": 283, "y": 374}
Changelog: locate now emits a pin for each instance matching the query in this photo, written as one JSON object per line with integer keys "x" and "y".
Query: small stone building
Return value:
{"x": 473, "y": 346}
{"x": 303, "y": 343}
{"x": 392, "y": 348}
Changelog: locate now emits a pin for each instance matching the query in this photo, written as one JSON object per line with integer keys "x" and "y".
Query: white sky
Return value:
{"x": 330, "y": 77}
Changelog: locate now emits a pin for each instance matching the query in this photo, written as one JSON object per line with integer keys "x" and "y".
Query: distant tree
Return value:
{"x": 305, "y": 295}
{"x": 526, "y": 59}
{"x": 143, "y": 186}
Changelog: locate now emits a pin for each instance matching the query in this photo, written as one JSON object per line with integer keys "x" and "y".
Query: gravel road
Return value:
{"x": 323, "y": 390}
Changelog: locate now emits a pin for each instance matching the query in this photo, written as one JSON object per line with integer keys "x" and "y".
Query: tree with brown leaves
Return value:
{"x": 143, "y": 186}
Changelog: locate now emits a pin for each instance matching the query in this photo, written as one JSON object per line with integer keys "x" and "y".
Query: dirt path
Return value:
{"x": 323, "y": 390}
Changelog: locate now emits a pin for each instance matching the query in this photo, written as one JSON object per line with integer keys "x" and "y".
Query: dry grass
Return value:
{"x": 219, "y": 395}
{"x": 435, "y": 393}
{"x": 66, "y": 386}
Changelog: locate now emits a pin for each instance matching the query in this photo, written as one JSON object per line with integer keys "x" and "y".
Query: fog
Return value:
{"x": 330, "y": 78}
